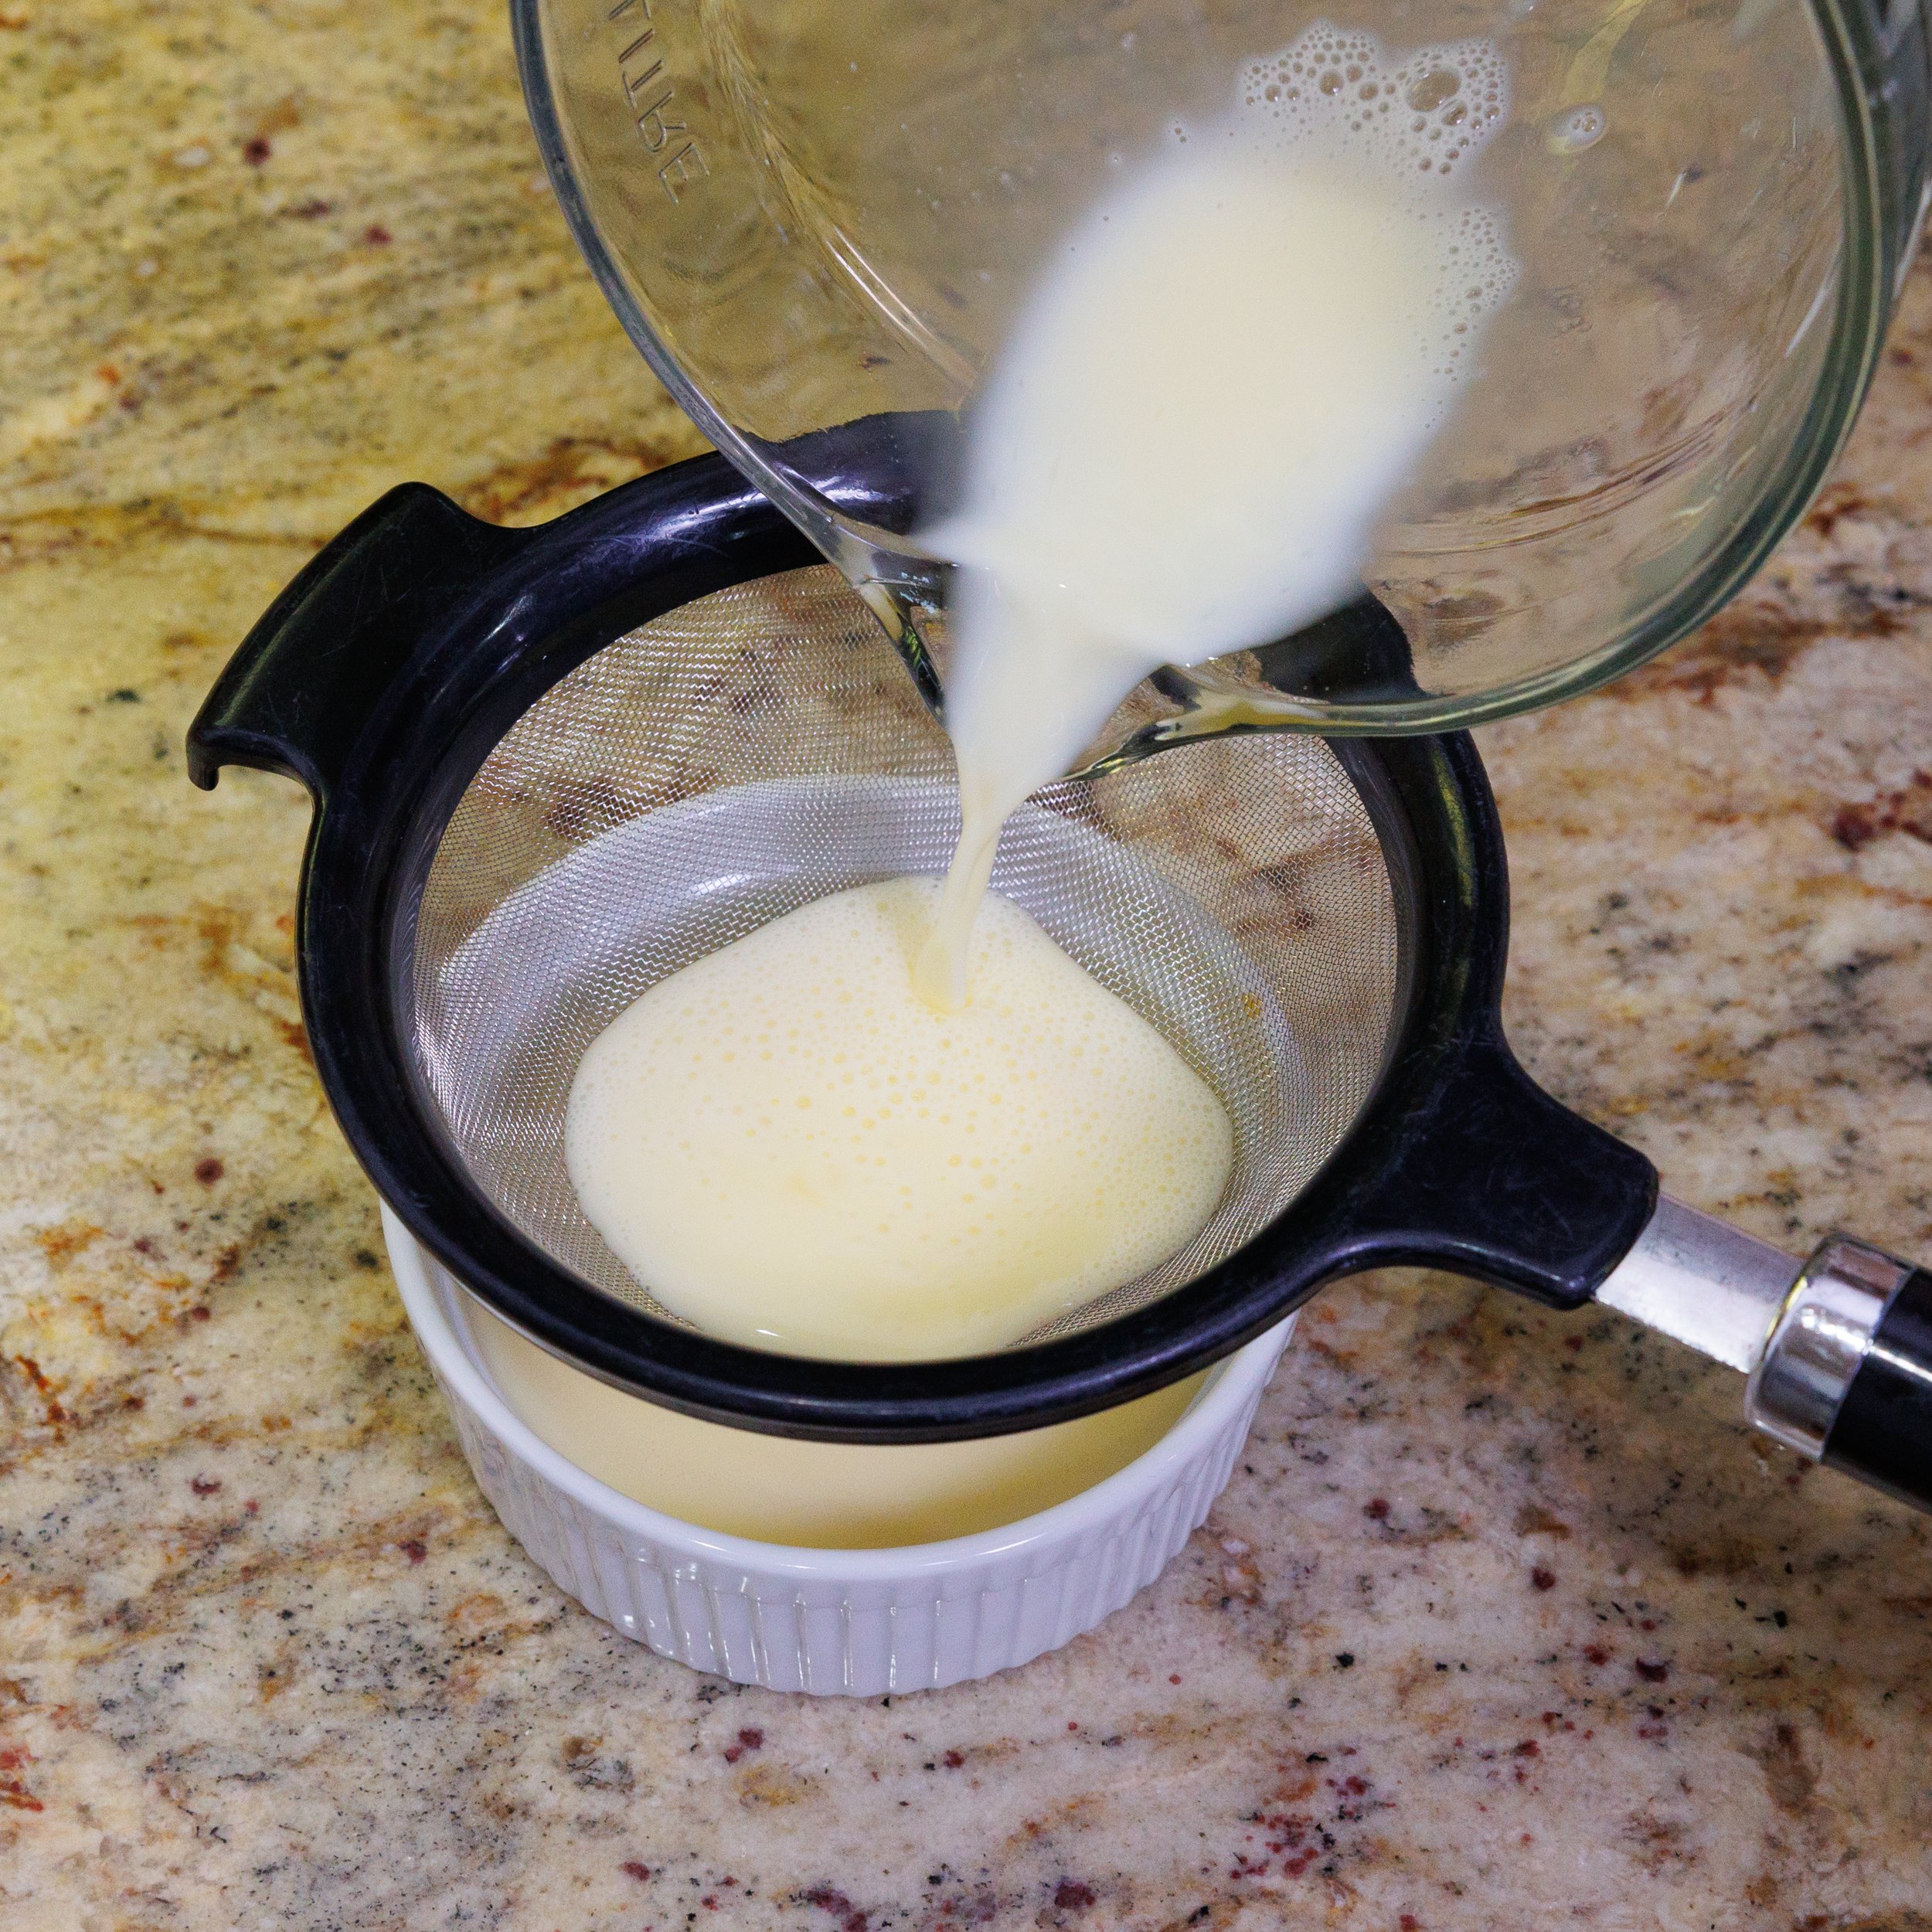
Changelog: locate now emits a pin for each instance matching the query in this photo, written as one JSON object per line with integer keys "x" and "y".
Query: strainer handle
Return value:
{"x": 313, "y": 669}
{"x": 1838, "y": 1349}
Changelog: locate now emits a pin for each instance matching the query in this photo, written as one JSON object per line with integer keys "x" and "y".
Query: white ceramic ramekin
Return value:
{"x": 860, "y": 1622}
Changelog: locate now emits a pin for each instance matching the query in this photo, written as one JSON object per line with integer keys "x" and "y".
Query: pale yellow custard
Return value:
{"x": 824, "y": 1495}
{"x": 790, "y": 1149}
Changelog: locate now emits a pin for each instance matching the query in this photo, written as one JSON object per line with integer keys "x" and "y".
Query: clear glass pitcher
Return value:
{"x": 817, "y": 220}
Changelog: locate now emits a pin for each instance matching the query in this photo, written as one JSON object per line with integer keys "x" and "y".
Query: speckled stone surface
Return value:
{"x": 1505, "y": 1620}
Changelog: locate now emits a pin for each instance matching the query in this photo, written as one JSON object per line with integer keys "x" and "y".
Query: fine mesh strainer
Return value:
{"x": 553, "y": 766}
{"x": 760, "y": 747}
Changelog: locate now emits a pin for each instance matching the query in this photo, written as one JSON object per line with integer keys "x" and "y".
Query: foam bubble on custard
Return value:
{"x": 1335, "y": 100}
{"x": 1428, "y": 112}
{"x": 1335, "y": 95}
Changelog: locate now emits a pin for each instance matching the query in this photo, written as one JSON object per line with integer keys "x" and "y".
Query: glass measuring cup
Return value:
{"x": 819, "y": 221}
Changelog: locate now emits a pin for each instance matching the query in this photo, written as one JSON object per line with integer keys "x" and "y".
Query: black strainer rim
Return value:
{"x": 386, "y": 673}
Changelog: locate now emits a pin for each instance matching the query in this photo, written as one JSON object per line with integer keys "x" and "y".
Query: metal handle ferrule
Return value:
{"x": 1820, "y": 1342}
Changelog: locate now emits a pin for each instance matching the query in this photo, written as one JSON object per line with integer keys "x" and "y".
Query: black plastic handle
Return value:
{"x": 314, "y": 667}
{"x": 1882, "y": 1432}
{"x": 1463, "y": 1161}
{"x": 1469, "y": 1165}
{"x": 370, "y": 612}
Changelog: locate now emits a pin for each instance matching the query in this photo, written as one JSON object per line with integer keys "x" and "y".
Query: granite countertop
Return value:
{"x": 1505, "y": 1619}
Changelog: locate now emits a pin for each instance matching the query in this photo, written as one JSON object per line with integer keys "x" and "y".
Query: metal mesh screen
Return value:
{"x": 759, "y": 748}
